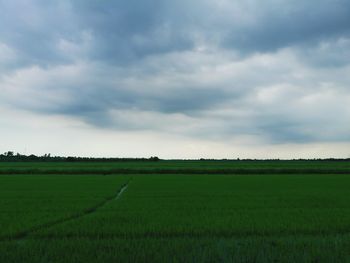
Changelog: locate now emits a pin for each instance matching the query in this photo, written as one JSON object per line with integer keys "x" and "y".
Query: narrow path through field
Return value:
{"x": 121, "y": 191}
{"x": 23, "y": 234}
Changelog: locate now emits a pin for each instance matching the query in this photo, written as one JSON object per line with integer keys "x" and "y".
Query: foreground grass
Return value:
{"x": 28, "y": 202}
{"x": 220, "y": 206}
{"x": 208, "y": 218}
{"x": 301, "y": 249}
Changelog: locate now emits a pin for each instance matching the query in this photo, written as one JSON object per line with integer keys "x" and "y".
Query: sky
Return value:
{"x": 176, "y": 79}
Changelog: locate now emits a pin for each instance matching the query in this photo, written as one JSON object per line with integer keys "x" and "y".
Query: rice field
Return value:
{"x": 174, "y": 217}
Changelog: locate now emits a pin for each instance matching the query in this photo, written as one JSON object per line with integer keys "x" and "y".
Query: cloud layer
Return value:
{"x": 265, "y": 73}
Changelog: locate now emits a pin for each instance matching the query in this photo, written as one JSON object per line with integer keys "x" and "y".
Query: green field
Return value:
{"x": 175, "y": 217}
{"x": 177, "y": 167}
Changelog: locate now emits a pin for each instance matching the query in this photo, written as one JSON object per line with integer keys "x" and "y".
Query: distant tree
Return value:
{"x": 9, "y": 154}
{"x": 154, "y": 159}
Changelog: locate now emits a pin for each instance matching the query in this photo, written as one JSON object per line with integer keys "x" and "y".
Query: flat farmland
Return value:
{"x": 187, "y": 217}
{"x": 177, "y": 167}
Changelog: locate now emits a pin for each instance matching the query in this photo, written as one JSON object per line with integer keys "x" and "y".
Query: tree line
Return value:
{"x": 11, "y": 156}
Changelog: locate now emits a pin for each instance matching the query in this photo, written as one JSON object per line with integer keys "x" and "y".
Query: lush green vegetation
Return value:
{"x": 175, "y": 218}
{"x": 178, "y": 167}
{"x": 29, "y": 202}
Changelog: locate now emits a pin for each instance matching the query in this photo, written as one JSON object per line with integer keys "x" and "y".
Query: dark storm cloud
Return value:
{"x": 33, "y": 29}
{"x": 95, "y": 60}
{"x": 124, "y": 31}
{"x": 93, "y": 105}
{"x": 281, "y": 24}
{"x": 119, "y": 31}
{"x": 130, "y": 30}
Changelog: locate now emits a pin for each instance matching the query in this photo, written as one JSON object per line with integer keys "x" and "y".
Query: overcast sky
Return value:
{"x": 176, "y": 79}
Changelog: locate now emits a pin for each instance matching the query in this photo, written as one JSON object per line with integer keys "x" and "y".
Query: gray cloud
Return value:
{"x": 281, "y": 24}
{"x": 274, "y": 70}
{"x": 121, "y": 31}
